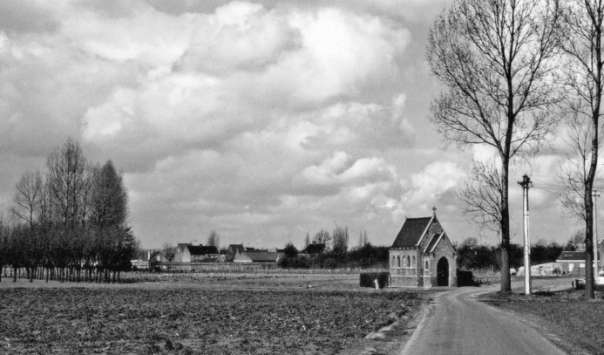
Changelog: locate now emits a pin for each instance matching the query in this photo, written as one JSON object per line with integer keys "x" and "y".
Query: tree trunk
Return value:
{"x": 589, "y": 257}
{"x": 504, "y": 270}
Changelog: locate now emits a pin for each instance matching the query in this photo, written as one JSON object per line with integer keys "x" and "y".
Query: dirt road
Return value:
{"x": 459, "y": 324}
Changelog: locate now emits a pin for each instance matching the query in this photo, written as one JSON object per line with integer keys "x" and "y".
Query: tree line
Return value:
{"x": 514, "y": 72}
{"x": 471, "y": 255}
{"x": 69, "y": 222}
{"x": 327, "y": 250}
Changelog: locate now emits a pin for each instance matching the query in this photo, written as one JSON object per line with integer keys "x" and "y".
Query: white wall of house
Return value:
{"x": 182, "y": 254}
{"x": 242, "y": 258}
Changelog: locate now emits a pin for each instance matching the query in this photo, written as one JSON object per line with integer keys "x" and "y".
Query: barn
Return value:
{"x": 422, "y": 255}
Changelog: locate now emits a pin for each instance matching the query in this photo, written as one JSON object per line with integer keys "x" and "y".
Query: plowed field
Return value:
{"x": 191, "y": 320}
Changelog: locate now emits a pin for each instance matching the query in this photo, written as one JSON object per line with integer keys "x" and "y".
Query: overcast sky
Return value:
{"x": 260, "y": 120}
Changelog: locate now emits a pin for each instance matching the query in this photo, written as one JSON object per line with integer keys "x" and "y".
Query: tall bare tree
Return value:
{"x": 214, "y": 239}
{"x": 340, "y": 240}
{"x": 28, "y": 198}
{"x": 576, "y": 171}
{"x": 581, "y": 40}
{"x": 68, "y": 182}
{"x": 363, "y": 238}
{"x": 322, "y": 237}
{"x": 495, "y": 60}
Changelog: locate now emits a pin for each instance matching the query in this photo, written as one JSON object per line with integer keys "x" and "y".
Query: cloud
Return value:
{"x": 436, "y": 179}
{"x": 26, "y": 16}
{"x": 263, "y": 120}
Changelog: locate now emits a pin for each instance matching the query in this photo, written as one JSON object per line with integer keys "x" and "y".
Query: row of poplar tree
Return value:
{"x": 68, "y": 223}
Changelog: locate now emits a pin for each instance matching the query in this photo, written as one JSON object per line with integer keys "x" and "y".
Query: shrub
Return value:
{"x": 367, "y": 279}
{"x": 299, "y": 262}
{"x": 465, "y": 278}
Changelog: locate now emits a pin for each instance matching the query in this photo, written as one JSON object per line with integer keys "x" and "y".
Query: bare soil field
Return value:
{"x": 241, "y": 314}
{"x": 572, "y": 321}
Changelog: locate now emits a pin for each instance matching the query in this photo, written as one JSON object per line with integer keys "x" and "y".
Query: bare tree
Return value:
{"x": 482, "y": 195}
{"x": 68, "y": 180}
{"x": 28, "y": 198}
{"x": 574, "y": 175}
{"x": 340, "y": 240}
{"x": 322, "y": 237}
{"x": 495, "y": 60}
{"x": 581, "y": 40}
{"x": 168, "y": 251}
{"x": 363, "y": 239}
{"x": 214, "y": 239}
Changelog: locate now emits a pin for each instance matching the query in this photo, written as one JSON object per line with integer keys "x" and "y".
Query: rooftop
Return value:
{"x": 411, "y": 231}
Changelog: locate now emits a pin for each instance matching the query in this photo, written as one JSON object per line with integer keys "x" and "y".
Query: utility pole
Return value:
{"x": 526, "y": 183}
{"x": 595, "y": 194}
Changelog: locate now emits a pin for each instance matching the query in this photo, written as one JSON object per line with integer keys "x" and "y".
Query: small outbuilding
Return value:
{"x": 422, "y": 255}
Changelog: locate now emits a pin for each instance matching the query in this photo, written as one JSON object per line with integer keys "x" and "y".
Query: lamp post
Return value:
{"x": 525, "y": 183}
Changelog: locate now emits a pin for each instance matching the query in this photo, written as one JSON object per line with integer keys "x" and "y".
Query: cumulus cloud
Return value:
{"x": 425, "y": 188}
{"x": 263, "y": 120}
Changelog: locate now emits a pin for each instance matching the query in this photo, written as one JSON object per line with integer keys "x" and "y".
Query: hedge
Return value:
{"x": 465, "y": 278}
{"x": 367, "y": 279}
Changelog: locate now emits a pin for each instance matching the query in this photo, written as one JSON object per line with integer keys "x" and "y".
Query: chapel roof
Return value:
{"x": 411, "y": 232}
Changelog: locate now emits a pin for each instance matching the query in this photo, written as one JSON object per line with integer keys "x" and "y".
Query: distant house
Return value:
{"x": 422, "y": 255}
{"x": 572, "y": 262}
{"x": 142, "y": 261}
{"x": 257, "y": 257}
{"x": 232, "y": 250}
{"x": 189, "y": 253}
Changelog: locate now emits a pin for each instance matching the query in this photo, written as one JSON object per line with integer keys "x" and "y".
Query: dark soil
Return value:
{"x": 192, "y": 320}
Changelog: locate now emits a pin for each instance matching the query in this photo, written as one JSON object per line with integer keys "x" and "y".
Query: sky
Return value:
{"x": 261, "y": 120}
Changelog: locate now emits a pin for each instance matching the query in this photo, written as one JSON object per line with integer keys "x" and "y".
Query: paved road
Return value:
{"x": 458, "y": 324}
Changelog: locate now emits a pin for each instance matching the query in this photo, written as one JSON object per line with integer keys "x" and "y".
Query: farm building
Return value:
{"x": 189, "y": 253}
{"x": 572, "y": 262}
{"x": 257, "y": 257}
{"x": 422, "y": 255}
{"x": 545, "y": 269}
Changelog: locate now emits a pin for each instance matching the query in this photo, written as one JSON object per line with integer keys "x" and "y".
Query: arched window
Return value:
{"x": 398, "y": 258}
{"x": 408, "y": 261}
{"x": 413, "y": 262}
{"x": 427, "y": 266}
